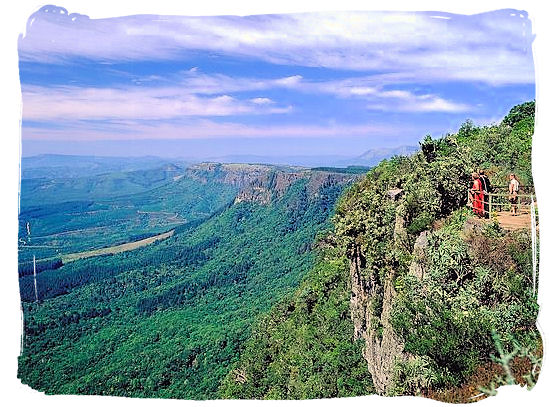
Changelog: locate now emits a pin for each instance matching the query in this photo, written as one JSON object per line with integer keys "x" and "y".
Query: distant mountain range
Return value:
{"x": 374, "y": 156}
{"x": 75, "y": 166}
{"x": 369, "y": 158}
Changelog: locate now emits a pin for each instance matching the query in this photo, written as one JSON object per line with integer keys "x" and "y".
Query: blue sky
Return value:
{"x": 295, "y": 84}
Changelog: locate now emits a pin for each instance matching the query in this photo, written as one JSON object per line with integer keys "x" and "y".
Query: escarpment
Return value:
{"x": 372, "y": 298}
{"x": 263, "y": 183}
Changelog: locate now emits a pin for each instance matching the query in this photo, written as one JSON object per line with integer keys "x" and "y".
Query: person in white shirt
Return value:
{"x": 513, "y": 189}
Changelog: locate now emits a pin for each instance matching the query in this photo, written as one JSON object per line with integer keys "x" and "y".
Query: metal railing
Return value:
{"x": 525, "y": 188}
{"x": 498, "y": 202}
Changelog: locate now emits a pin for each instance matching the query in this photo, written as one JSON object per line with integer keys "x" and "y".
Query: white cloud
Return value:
{"x": 434, "y": 104}
{"x": 289, "y": 81}
{"x": 492, "y": 47}
{"x": 152, "y": 103}
{"x": 361, "y": 91}
{"x": 262, "y": 101}
{"x": 405, "y": 101}
{"x": 373, "y": 91}
{"x": 198, "y": 94}
{"x": 197, "y": 82}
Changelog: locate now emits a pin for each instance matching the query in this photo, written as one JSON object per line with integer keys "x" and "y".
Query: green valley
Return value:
{"x": 283, "y": 282}
{"x": 284, "y": 206}
{"x": 169, "y": 319}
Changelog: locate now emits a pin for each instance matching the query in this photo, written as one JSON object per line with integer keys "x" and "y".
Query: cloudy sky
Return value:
{"x": 295, "y": 84}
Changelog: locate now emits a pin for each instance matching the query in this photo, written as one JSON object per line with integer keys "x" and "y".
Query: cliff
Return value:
{"x": 426, "y": 294}
{"x": 371, "y": 303}
{"x": 264, "y": 183}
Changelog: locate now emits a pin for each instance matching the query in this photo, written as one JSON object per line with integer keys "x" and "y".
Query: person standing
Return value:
{"x": 477, "y": 195}
{"x": 485, "y": 182}
{"x": 513, "y": 189}
{"x": 487, "y": 189}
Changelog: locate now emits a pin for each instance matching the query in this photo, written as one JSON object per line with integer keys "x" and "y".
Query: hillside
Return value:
{"x": 89, "y": 213}
{"x": 169, "y": 319}
{"x": 410, "y": 293}
{"x": 51, "y": 190}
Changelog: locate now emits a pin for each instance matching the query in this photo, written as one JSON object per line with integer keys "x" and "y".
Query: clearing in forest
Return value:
{"x": 118, "y": 248}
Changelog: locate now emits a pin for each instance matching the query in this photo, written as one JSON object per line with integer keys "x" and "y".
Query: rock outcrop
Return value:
{"x": 371, "y": 304}
{"x": 262, "y": 183}
{"x": 417, "y": 266}
{"x": 382, "y": 346}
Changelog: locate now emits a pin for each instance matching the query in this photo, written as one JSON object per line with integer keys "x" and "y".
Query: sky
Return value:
{"x": 322, "y": 84}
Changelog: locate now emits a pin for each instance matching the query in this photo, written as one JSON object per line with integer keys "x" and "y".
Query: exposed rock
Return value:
{"x": 254, "y": 194}
{"x": 322, "y": 179}
{"x": 416, "y": 267}
{"x": 262, "y": 183}
{"x": 383, "y": 348}
{"x": 239, "y": 175}
{"x": 395, "y": 193}
{"x": 400, "y": 236}
{"x": 283, "y": 180}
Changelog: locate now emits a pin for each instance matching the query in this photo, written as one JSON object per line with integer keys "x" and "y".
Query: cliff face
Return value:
{"x": 263, "y": 183}
{"x": 372, "y": 300}
{"x": 371, "y": 303}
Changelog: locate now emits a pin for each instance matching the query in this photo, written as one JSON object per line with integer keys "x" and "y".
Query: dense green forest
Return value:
{"x": 169, "y": 319}
{"x": 98, "y": 214}
{"x": 435, "y": 291}
{"x": 304, "y": 347}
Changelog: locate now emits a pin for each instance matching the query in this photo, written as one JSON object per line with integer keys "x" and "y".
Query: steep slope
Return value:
{"x": 382, "y": 245}
{"x": 429, "y": 294}
{"x": 169, "y": 320}
{"x": 304, "y": 347}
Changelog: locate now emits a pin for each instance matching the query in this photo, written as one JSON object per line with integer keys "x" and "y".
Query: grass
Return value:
{"x": 125, "y": 247}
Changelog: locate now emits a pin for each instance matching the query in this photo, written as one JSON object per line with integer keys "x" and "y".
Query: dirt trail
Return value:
{"x": 509, "y": 222}
{"x": 116, "y": 249}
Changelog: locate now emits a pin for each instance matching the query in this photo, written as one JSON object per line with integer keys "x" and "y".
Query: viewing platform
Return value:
{"x": 498, "y": 204}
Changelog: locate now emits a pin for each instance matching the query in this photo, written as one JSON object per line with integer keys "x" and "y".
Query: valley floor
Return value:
{"x": 118, "y": 248}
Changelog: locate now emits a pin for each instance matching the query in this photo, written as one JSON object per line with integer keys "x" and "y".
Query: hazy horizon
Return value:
{"x": 198, "y": 150}
{"x": 367, "y": 158}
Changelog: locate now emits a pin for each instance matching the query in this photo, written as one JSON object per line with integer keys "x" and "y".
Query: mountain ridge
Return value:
{"x": 69, "y": 165}
{"x": 264, "y": 182}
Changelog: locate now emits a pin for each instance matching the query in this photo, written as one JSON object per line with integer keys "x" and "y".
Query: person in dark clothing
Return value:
{"x": 486, "y": 186}
{"x": 485, "y": 182}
